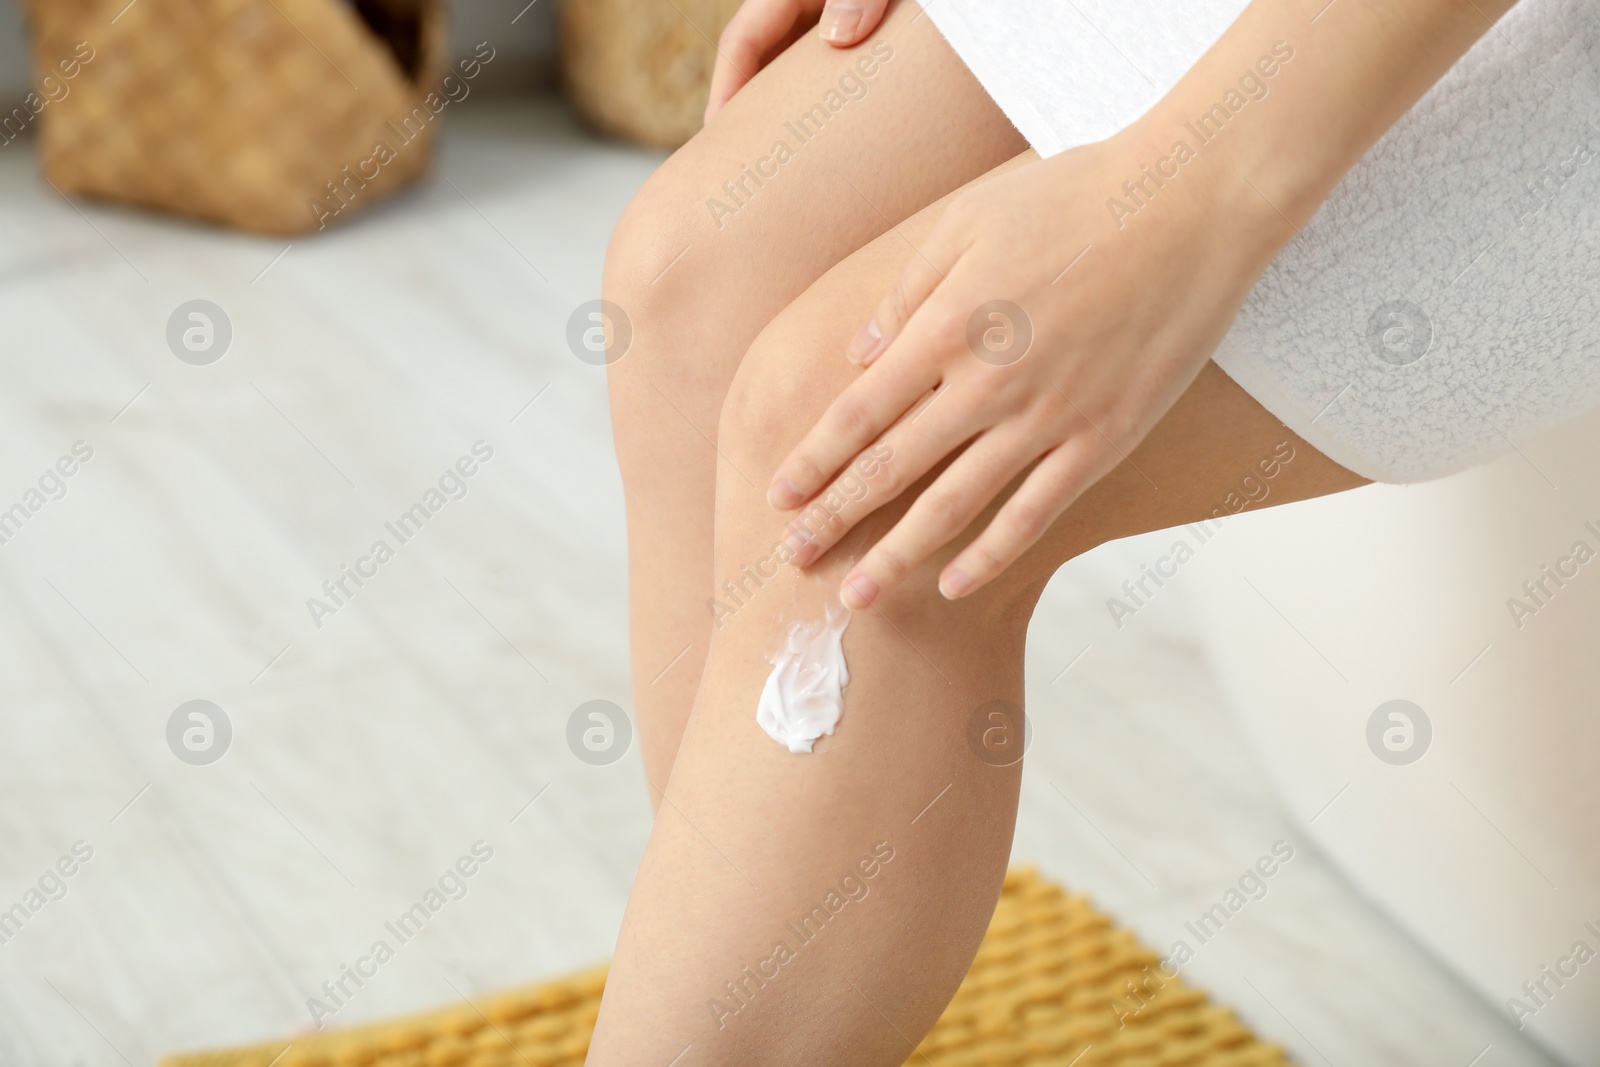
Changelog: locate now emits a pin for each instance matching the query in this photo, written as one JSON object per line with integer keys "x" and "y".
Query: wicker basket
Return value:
{"x": 277, "y": 116}
{"x": 641, "y": 69}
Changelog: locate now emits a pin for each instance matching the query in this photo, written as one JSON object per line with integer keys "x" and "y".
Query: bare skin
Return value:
{"x": 697, "y": 295}
{"x": 751, "y": 837}
{"x": 738, "y": 352}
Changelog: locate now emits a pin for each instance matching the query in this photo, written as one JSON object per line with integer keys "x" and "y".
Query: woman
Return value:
{"x": 888, "y": 354}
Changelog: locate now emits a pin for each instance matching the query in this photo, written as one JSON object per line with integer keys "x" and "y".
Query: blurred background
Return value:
{"x": 530, "y": 42}
{"x": 215, "y": 400}
{"x": 16, "y": 71}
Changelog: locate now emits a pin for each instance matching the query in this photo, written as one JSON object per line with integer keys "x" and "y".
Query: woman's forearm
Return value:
{"x": 1288, "y": 99}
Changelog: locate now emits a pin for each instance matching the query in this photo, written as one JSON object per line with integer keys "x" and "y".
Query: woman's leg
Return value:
{"x": 821, "y": 909}
{"x": 730, "y": 230}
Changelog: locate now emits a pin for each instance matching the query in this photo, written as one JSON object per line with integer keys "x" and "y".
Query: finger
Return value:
{"x": 845, "y": 22}
{"x": 941, "y": 512}
{"x": 745, "y": 42}
{"x": 880, "y": 473}
{"x": 871, "y": 403}
{"x": 740, "y": 48}
{"x": 857, "y": 417}
{"x": 924, "y": 273}
{"x": 1058, "y": 480}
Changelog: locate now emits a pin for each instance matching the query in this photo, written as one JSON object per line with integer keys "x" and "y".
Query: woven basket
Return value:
{"x": 641, "y": 69}
{"x": 266, "y": 115}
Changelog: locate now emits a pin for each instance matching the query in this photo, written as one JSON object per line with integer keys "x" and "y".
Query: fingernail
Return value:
{"x": 858, "y": 592}
{"x": 864, "y": 345}
{"x": 954, "y": 584}
{"x": 840, "y": 22}
{"x": 784, "y": 496}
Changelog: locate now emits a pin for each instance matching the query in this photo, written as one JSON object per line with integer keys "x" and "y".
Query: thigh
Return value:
{"x": 822, "y": 151}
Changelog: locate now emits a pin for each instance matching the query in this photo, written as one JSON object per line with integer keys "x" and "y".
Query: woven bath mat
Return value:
{"x": 1055, "y": 983}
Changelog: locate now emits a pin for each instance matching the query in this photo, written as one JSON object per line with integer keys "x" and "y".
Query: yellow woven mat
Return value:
{"x": 1055, "y": 983}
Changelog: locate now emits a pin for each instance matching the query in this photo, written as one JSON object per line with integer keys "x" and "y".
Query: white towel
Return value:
{"x": 1440, "y": 307}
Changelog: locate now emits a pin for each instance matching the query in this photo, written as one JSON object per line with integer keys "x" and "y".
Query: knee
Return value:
{"x": 670, "y": 268}
{"x": 692, "y": 297}
{"x": 640, "y": 275}
{"x": 781, "y": 388}
{"x": 789, "y": 375}
{"x": 650, "y": 232}
{"x": 656, "y": 292}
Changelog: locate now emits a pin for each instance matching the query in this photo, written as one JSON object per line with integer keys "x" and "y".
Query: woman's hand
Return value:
{"x": 1036, "y": 327}
{"x": 760, "y": 29}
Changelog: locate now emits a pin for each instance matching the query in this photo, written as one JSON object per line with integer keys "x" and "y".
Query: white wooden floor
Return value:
{"x": 369, "y": 754}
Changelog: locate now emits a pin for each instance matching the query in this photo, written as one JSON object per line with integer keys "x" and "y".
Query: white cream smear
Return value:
{"x": 804, "y": 694}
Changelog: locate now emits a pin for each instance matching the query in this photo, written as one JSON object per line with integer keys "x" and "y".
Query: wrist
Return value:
{"x": 1252, "y": 154}
{"x": 1171, "y": 168}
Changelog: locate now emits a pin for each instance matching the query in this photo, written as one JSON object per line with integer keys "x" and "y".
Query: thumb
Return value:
{"x": 845, "y": 22}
